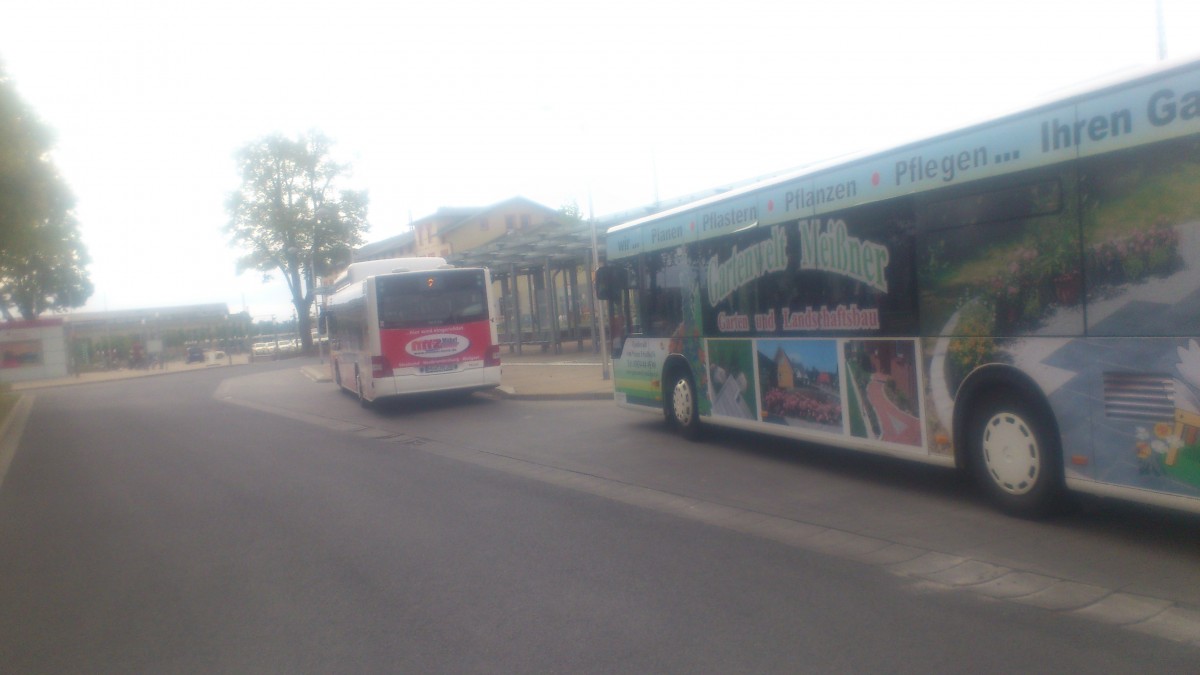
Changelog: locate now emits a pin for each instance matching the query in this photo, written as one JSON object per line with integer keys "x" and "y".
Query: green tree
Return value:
{"x": 42, "y": 257}
{"x": 289, "y": 217}
{"x": 570, "y": 210}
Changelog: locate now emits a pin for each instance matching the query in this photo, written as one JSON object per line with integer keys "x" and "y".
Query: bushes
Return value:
{"x": 1047, "y": 274}
{"x": 977, "y": 348}
{"x": 810, "y": 406}
{"x": 1131, "y": 259}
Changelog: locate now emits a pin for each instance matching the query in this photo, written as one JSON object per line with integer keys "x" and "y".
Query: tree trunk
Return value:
{"x": 304, "y": 327}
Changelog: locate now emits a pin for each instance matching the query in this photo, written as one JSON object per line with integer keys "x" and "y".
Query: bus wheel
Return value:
{"x": 1014, "y": 455}
{"x": 684, "y": 413}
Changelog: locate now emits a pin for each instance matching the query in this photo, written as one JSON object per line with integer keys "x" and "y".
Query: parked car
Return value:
{"x": 194, "y": 355}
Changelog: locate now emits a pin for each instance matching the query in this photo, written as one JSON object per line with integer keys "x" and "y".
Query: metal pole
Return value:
{"x": 594, "y": 328}
{"x": 1162, "y": 31}
{"x": 573, "y": 317}
{"x": 509, "y": 305}
{"x": 603, "y": 318}
{"x": 552, "y": 308}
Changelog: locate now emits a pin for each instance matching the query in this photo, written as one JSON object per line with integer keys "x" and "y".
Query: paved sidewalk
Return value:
{"x": 125, "y": 374}
{"x": 575, "y": 374}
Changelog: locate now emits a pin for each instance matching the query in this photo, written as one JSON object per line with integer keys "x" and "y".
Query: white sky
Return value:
{"x": 467, "y": 103}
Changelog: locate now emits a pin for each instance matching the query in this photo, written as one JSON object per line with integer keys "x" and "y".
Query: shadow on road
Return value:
{"x": 398, "y": 407}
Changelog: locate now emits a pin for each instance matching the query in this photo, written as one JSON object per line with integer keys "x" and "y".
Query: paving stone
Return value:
{"x": 1175, "y": 623}
{"x": 969, "y": 573}
{"x": 1014, "y": 584}
{"x": 1123, "y": 608}
{"x": 1064, "y": 595}
{"x": 927, "y": 564}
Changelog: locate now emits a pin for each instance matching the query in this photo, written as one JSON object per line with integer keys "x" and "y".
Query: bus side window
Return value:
{"x": 625, "y": 310}
{"x": 633, "y": 307}
{"x": 621, "y": 288}
{"x": 663, "y": 307}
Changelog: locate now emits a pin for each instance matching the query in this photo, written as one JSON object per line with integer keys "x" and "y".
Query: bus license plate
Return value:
{"x": 439, "y": 368}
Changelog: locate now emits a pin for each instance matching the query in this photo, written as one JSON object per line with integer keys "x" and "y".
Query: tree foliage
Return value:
{"x": 290, "y": 218}
{"x": 42, "y": 257}
{"x": 570, "y": 210}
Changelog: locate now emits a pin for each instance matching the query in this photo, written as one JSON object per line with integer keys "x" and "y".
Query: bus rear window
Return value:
{"x": 439, "y": 298}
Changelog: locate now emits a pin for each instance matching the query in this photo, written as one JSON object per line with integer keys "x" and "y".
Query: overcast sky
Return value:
{"x": 468, "y": 103}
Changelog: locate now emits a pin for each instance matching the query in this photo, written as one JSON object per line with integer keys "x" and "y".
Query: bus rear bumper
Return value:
{"x": 467, "y": 379}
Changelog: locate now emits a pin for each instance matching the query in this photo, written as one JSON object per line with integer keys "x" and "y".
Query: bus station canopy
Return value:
{"x": 539, "y": 275}
{"x": 555, "y": 242}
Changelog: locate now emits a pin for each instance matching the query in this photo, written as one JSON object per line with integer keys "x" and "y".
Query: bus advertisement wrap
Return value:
{"x": 421, "y": 348}
{"x": 1020, "y": 299}
{"x": 636, "y": 374}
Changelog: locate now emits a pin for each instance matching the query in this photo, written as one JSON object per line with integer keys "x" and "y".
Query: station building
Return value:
{"x": 78, "y": 342}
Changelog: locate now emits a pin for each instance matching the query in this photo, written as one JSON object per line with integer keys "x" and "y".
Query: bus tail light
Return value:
{"x": 492, "y": 358}
{"x": 380, "y": 367}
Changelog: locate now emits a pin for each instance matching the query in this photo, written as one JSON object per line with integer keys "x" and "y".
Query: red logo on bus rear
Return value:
{"x": 437, "y": 346}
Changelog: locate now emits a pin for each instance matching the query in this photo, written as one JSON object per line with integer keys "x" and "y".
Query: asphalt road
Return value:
{"x": 264, "y": 523}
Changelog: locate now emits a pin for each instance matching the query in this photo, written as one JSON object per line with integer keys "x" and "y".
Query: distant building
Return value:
{"x": 452, "y": 230}
{"x": 33, "y": 350}
{"x": 60, "y": 345}
{"x": 162, "y": 332}
{"x": 192, "y": 322}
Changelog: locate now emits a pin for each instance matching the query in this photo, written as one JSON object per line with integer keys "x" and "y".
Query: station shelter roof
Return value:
{"x": 561, "y": 244}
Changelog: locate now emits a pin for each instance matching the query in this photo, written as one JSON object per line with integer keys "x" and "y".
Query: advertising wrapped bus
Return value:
{"x": 1020, "y": 299}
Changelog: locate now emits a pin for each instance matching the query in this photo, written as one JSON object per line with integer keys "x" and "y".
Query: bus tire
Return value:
{"x": 1015, "y": 455}
{"x": 683, "y": 411}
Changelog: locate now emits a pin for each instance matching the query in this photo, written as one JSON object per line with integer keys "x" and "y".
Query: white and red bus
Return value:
{"x": 413, "y": 325}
